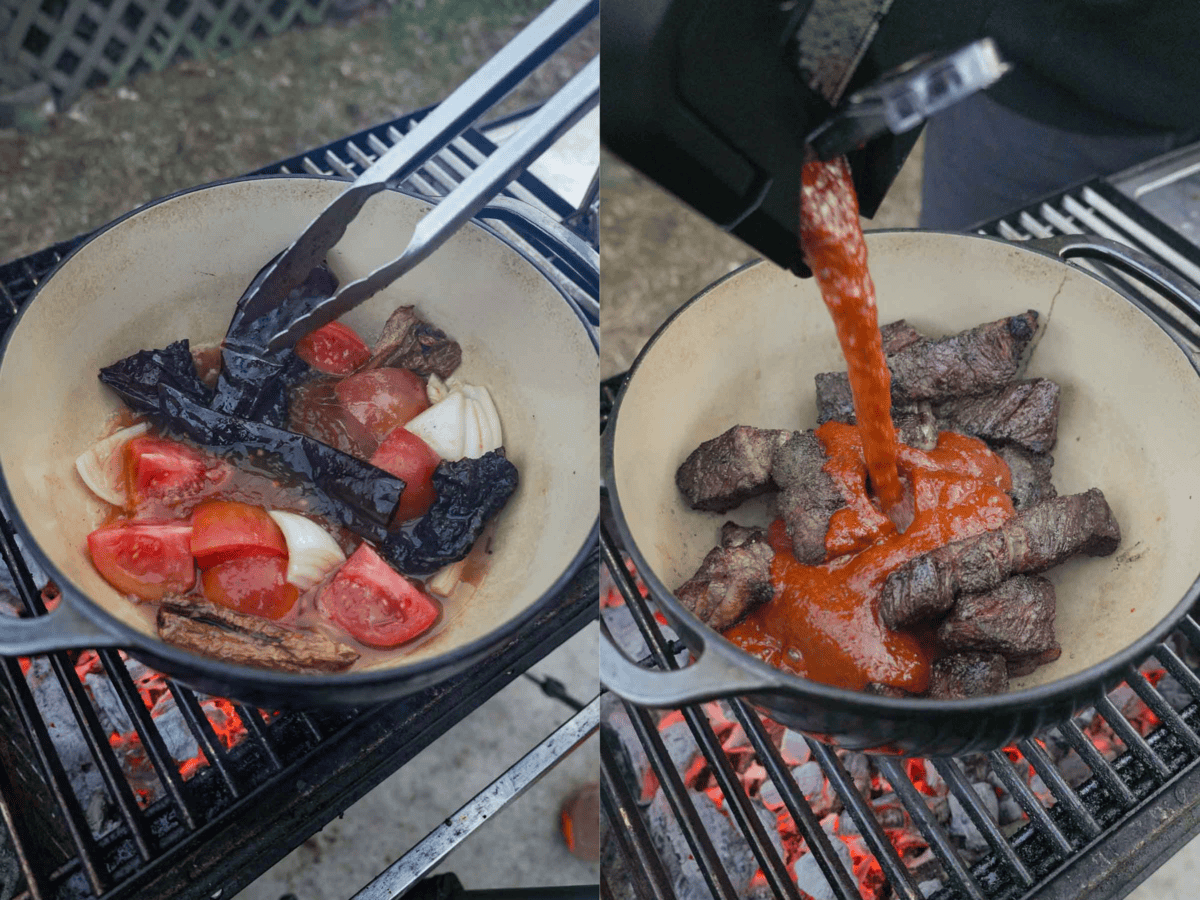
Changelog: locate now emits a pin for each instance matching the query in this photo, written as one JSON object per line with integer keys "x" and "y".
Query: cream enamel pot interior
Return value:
{"x": 174, "y": 270}
{"x": 745, "y": 352}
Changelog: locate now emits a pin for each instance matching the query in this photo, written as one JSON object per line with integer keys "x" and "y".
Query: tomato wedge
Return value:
{"x": 256, "y": 585}
{"x": 334, "y": 348}
{"x": 169, "y": 471}
{"x": 226, "y": 529}
{"x": 406, "y": 456}
{"x": 146, "y": 559}
{"x": 376, "y": 604}
{"x": 382, "y": 398}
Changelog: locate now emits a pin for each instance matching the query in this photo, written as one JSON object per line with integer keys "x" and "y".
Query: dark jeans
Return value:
{"x": 983, "y": 160}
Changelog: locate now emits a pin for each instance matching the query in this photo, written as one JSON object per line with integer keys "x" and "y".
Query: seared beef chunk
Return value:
{"x": 968, "y": 675}
{"x": 353, "y": 493}
{"x": 835, "y": 401}
{"x": 915, "y": 422}
{"x": 729, "y": 469}
{"x": 1024, "y": 665}
{"x": 898, "y": 335}
{"x": 1030, "y": 475}
{"x": 982, "y": 359}
{"x": 408, "y": 342}
{"x": 215, "y": 631}
{"x": 1015, "y": 619}
{"x": 734, "y": 578}
{"x": 1023, "y": 413}
{"x": 808, "y": 496}
{"x": 1034, "y": 540}
{"x": 469, "y": 493}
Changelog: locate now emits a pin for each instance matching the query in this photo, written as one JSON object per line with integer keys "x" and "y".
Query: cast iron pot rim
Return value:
{"x": 1099, "y": 676}
{"x": 183, "y": 661}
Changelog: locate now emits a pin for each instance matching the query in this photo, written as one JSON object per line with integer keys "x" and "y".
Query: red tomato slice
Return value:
{"x": 148, "y": 560}
{"x": 225, "y": 529}
{"x": 169, "y": 471}
{"x": 334, "y": 348}
{"x": 382, "y": 398}
{"x": 256, "y": 585}
{"x": 406, "y": 456}
{"x": 375, "y": 603}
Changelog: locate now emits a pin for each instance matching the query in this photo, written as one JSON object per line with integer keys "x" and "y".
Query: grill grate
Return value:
{"x": 211, "y": 834}
{"x": 1096, "y": 834}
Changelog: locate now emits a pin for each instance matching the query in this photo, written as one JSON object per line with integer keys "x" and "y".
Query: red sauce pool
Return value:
{"x": 824, "y": 621}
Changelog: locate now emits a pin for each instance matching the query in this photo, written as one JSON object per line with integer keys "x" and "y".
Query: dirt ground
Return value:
{"x": 218, "y": 117}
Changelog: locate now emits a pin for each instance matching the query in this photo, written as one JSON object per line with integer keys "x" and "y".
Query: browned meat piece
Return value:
{"x": 1032, "y": 541}
{"x": 898, "y": 335}
{"x": 968, "y": 675}
{"x": 729, "y": 469}
{"x": 1023, "y": 413}
{"x": 1015, "y": 619}
{"x": 1030, "y": 476}
{"x": 1023, "y": 665}
{"x": 249, "y": 640}
{"x": 835, "y": 402}
{"x": 733, "y": 579}
{"x": 408, "y": 342}
{"x": 916, "y": 425}
{"x": 808, "y": 496}
{"x": 976, "y": 361}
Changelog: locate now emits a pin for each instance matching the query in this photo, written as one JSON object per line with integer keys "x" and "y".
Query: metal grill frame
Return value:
{"x": 218, "y": 831}
{"x": 1098, "y": 841}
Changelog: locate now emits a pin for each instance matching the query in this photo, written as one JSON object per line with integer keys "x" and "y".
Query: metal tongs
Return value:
{"x": 268, "y": 294}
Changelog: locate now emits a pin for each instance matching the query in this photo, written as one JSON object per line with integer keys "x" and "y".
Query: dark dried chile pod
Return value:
{"x": 469, "y": 493}
{"x": 136, "y": 378}
{"x": 354, "y": 493}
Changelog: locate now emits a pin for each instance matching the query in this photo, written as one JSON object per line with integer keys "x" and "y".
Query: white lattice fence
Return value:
{"x": 75, "y": 44}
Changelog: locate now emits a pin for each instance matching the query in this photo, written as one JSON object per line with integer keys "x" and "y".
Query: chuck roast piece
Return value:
{"x": 734, "y": 578}
{"x": 808, "y": 496}
{"x": 963, "y": 675}
{"x": 976, "y": 361}
{"x": 1032, "y": 541}
{"x": 409, "y": 342}
{"x": 1030, "y": 476}
{"x": 235, "y": 637}
{"x": 1015, "y": 619}
{"x": 1023, "y": 665}
{"x": 915, "y": 423}
{"x": 729, "y": 469}
{"x": 1023, "y": 413}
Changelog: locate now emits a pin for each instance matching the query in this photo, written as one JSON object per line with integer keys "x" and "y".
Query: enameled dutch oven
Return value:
{"x": 174, "y": 269}
{"x": 745, "y": 351}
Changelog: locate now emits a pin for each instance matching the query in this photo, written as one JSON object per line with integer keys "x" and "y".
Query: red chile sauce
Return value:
{"x": 824, "y": 621}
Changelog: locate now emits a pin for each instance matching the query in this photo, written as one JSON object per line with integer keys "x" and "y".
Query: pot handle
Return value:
{"x": 708, "y": 678}
{"x": 1179, "y": 290}
{"x": 63, "y": 629}
{"x": 567, "y": 251}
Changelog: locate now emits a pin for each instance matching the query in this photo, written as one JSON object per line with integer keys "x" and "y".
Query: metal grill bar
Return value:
{"x": 625, "y": 825}
{"x": 838, "y": 878}
{"x": 938, "y": 841}
{"x": 156, "y": 749}
{"x": 1033, "y": 751}
{"x": 1099, "y": 766}
{"x": 1131, "y": 739}
{"x": 202, "y": 730}
{"x": 1033, "y": 808}
{"x": 885, "y": 854}
{"x": 954, "y": 778}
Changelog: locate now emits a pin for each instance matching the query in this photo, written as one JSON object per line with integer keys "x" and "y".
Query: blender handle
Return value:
{"x": 63, "y": 629}
{"x": 710, "y": 677}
